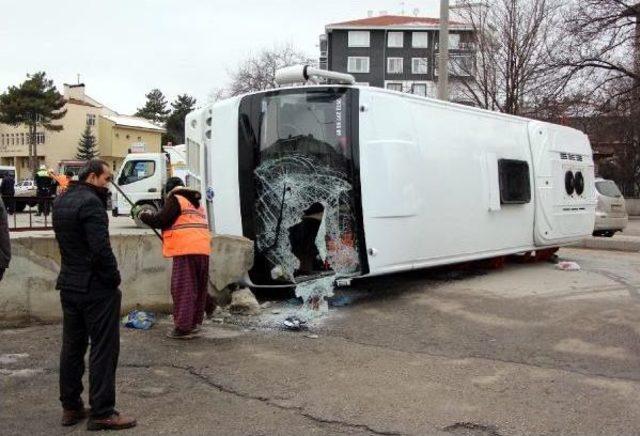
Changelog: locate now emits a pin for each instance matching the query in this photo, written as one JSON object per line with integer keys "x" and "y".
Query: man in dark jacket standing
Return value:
{"x": 88, "y": 284}
{"x": 5, "y": 242}
{"x": 8, "y": 191}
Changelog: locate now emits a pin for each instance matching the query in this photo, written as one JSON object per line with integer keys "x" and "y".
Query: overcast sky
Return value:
{"x": 123, "y": 48}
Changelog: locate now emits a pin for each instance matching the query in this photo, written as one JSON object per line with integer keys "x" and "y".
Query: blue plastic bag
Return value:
{"x": 139, "y": 319}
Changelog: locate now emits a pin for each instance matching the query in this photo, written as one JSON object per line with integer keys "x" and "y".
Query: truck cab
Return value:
{"x": 142, "y": 178}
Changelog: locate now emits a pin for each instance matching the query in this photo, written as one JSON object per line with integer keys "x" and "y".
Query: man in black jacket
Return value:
{"x": 5, "y": 242}
{"x": 88, "y": 284}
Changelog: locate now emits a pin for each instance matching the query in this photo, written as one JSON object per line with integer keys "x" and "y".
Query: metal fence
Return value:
{"x": 29, "y": 213}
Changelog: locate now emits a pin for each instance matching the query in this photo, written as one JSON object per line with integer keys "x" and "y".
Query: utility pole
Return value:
{"x": 443, "y": 52}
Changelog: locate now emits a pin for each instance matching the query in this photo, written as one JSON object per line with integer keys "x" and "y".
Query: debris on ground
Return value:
{"x": 311, "y": 336}
{"x": 243, "y": 302}
{"x": 266, "y": 305}
{"x": 294, "y": 323}
{"x": 314, "y": 294}
{"x": 568, "y": 266}
{"x": 139, "y": 319}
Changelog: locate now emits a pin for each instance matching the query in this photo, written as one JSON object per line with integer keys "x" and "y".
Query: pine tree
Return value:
{"x": 35, "y": 103}
{"x": 175, "y": 123}
{"x": 155, "y": 109}
{"x": 88, "y": 146}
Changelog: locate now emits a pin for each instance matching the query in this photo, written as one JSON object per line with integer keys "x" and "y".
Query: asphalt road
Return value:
{"x": 528, "y": 349}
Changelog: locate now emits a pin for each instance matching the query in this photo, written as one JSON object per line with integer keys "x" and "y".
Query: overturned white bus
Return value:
{"x": 361, "y": 181}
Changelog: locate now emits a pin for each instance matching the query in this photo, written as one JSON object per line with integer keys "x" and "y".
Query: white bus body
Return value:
{"x": 401, "y": 181}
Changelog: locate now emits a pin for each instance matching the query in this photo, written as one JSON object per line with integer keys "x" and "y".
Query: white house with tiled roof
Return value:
{"x": 116, "y": 135}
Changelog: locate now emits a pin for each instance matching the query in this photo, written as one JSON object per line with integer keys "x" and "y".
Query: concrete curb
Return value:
{"x": 27, "y": 292}
{"x": 617, "y": 243}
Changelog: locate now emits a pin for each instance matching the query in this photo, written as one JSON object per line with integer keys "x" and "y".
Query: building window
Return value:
{"x": 454, "y": 41}
{"x": 461, "y": 64}
{"x": 91, "y": 120}
{"x": 359, "y": 38}
{"x": 358, "y": 64}
{"x": 394, "y": 65}
{"x": 139, "y": 138}
{"x": 22, "y": 139}
{"x": 419, "y": 65}
{"x": 117, "y": 135}
{"x": 420, "y": 39}
{"x": 394, "y": 86}
{"x": 127, "y": 136}
{"x": 395, "y": 39}
{"x": 419, "y": 89}
{"x": 515, "y": 187}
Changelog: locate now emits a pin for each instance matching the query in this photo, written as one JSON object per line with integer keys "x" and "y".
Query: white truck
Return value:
{"x": 142, "y": 178}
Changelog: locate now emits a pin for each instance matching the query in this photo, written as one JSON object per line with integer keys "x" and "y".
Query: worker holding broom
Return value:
{"x": 187, "y": 240}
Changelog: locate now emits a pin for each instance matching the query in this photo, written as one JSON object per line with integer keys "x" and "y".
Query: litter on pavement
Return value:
{"x": 139, "y": 319}
{"x": 294, "y": 323}
{"x": 568, "y": 266}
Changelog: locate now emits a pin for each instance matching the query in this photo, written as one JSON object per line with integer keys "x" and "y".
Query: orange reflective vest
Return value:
{"x": 63, "y": 182}
{"x": 189, "y": 234}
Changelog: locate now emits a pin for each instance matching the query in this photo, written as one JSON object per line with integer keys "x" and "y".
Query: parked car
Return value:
{"x": 27, "y": 189}
{"x": 611, "y": 213}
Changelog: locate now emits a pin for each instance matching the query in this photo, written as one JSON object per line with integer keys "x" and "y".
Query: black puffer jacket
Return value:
{"x": 81, "y": 225}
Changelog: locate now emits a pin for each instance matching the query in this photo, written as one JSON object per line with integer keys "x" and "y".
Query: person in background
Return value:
{"x": 45, "y": 187}
{"x": 89, "y": 283}
{"x": 186, "y": 239}
{"x": 5, "y": 242}
{"x": 8, "y": 191}
{"x": 63, "y": 180}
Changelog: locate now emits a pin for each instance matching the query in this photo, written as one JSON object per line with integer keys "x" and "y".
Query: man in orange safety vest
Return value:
{"x": 187, "y": 240}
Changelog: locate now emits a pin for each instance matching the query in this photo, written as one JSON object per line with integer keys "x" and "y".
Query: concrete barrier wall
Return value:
{"x": 27, "y": 292}
{"x": 633, "y": 206}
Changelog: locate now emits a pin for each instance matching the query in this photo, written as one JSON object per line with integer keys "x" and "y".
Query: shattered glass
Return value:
{"x": 287, "y": 187}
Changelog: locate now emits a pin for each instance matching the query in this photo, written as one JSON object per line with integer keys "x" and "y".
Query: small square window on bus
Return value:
{"x": 515, "y": 187}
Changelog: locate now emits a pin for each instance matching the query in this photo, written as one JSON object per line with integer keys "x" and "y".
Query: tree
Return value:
{"x": 603, "y": 36}
{"x": 515, "y": 42}
{"x": 88, "y": 146}
{"x": 258, "y": 72}
{"x": 604, "y": 56}
{"x": 35, "y": 103}
{"x": 175, "y": 123}
{"x": 155, "y": 108}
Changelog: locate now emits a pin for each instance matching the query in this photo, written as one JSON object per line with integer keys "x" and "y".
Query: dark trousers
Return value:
{"x": 95, "y": 317}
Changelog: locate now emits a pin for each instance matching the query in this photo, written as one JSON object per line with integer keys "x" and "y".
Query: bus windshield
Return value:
{"x": 304, "y": 219}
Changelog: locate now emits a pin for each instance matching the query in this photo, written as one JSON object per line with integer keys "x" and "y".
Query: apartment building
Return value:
{"x": 398, "y": 52}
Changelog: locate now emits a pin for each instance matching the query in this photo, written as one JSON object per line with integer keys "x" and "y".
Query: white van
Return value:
{"x": 362, "y": 181}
